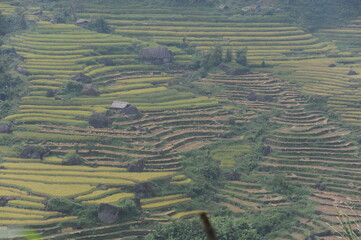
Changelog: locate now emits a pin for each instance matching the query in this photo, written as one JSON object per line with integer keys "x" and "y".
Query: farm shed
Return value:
{"x": 124, "y": 108}
{"x": 157, "y": 55}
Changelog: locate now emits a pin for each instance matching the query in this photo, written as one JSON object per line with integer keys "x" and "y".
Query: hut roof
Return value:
{"x": 223, "y": 7}
{"x": 119, "y": 105}
{"x": 81, "y": 21}
{"x": 157, "y": 52}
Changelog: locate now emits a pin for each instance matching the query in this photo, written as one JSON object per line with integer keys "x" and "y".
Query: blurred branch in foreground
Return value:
{"x": 211, "y": 235}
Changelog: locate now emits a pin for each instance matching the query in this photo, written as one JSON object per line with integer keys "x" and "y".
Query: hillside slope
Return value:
{"x": 141, "y": 163}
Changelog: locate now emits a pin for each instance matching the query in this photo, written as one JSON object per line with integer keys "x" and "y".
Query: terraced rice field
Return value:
{"x": 226, "y": 154}
{"x": 308, "y": 148}
{"x": 6, "y": 8}
{"x": 341, "y": 90}
{"x": 269, "y": 39}
{"x": 348, "y": 35}
{"x": 172, "y": 122}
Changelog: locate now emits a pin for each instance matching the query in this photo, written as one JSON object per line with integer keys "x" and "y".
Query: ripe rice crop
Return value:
{"x": 44, "y": 178}
{"x": 271, "y": 26}
{"x": 6, "y": 151}
{"x": 45, "y": 71}
{"x": 52, "y": 136}
{"x": 73, "y": 41}
{"x": 184, "y": 214}
{"x": 27, "y": 203}
{"x": 55, "y": 66}
{"x": 157, "y": 199}
{"x": 104, "y": 70}
{"x": 165, "y": 203}
{"x": 36, "y": 222}
{"x": 12, "y": 215}
{"x": 13, "y": 159}
{"x": 21, "y": 115}
{"x": 13, "y": 192}
{"x": 133, "y": 92}
{"x": 48, "y": 120}
{"x": 247, "y": 31}
{"x": 41, "y": 166}
{"x": 84, "y": 107}
{"x": 60, "y": 112}
{"x": 48, "y": 189}
{"x": 190, "y": 100}
{"x": 55, "y": 57}
{"x": 37, "y": 93}
{"x": 84, "y": 59}
{"x": 185, "y": 181}
{"x": 48, "y": 46}
{"x": 38, "y": 87}
{"x": 47, "y": 82}
{"x": 110, "y": 199}
{"x": 26, "y": 211}
{"x": 179, "y": 177}
{"x": 97, "y": 194}
{"x": 111, "y": 177}
{"x": 124, "y": 87}
{"x": 7, "y": 193}
{"x": 147, "y": 80}
{"x": 52, "y": 159}
{"x": 55, "y": 53}
{"x": 179, "y": 106}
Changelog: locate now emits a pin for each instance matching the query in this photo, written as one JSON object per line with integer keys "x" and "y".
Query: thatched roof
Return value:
{"x": 22, "y": 71}
{"x": 156, "y": 52}
{"x": 223, "y": 7}
{"x": 38, "y": 13}
{"x": 119, "y": 105}
{"x": 81, "y": 21}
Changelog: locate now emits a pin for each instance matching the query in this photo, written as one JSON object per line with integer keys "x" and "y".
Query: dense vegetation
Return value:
{"x": 242, "y": 114}
{"x": 11, "y": 85}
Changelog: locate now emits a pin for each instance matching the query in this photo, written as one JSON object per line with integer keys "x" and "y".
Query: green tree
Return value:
{"x": 205, "y": 172}
{"x": 241, "y": 57}
{"x": 71, "y": 88}
{"x": 3, "y": 25}
{"x": 229, "y": 56}
{"x": 100, "y": 25}
{"x": 73, "y": 158}
{"x": 227, "y": 228}
{"x": 100, "y": 120}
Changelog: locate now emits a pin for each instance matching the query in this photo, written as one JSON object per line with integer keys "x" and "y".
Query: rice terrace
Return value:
{"x": 128, "y": 119}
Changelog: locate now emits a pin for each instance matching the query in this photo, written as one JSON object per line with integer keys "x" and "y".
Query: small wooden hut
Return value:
{"x": 123, "y": 108}
{"x": 157, "y": 55}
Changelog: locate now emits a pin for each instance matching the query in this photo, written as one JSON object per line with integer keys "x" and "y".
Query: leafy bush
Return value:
{"x": 281, "y": 185}
{"x": 229, "y": 56}
{"x": 241, "y": 57}
{"x": 206, "y": 175}
{"x": 62, "y": 205}
{"x": 99, "y": 25}
{"x": 87, "y": 213}
{"x": 246, "y": 163}
{"x": 50, "y": 93}
{"x": 73, "y": 158}
{"x": 71, "y": 88}
{"x": 207, "y": 60}
{"x": 129, "y": 209}
{"x": 62, "y": 15}
{"x": 226, "y": 228}
{"x": 99, "y": 120}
